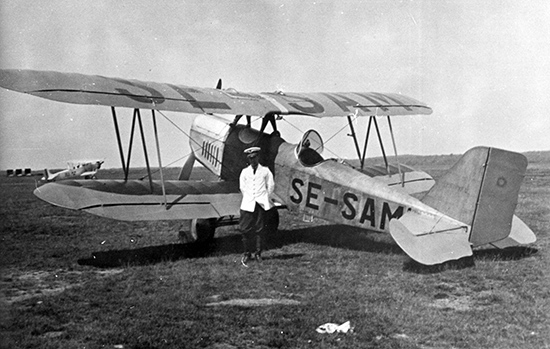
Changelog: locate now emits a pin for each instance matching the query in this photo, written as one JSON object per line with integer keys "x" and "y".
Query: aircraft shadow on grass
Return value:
{"x": 328, "y": 235}
{"x": 338, "y": 236}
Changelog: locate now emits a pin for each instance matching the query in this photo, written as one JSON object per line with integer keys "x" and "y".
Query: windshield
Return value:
{"x": 310, "y": 148}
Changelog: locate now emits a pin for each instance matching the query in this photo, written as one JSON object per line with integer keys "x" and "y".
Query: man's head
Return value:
{"x": 252, "y": 154}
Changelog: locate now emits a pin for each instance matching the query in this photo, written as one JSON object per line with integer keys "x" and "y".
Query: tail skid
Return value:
{"x": 480, "y": 193}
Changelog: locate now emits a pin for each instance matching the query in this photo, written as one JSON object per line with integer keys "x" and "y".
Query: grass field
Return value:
{"x": 72, "y": 280}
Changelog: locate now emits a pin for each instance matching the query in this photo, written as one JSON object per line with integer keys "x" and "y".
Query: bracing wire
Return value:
{"x": 255, "y": 119}
{"x": 325, "y": 142}
{"x": 193, "y": 140}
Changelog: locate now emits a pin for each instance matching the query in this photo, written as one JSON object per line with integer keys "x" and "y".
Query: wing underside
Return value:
{"x": 100, "y": 90}
{"x": 135, "y": 201}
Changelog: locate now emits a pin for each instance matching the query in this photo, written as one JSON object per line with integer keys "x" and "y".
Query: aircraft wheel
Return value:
{"x": 203, "y": 230}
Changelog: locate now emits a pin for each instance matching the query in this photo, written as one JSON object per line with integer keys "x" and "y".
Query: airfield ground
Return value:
{"x": 72, "y": 280}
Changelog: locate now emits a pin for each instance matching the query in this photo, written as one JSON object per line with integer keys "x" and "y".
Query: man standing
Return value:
{"x": 256, "y": 184}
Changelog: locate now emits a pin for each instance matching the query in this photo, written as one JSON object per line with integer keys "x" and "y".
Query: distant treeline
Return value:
{"x": 423, "y": 161}
{"x": 419, "y": 162}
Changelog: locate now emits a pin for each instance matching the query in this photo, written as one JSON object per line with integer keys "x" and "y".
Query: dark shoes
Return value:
{"x": 246, "y": 257}
{"x": 258, "y": 257}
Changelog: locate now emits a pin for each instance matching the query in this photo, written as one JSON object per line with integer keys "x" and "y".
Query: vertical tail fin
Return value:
{"x": 481, "y": 190}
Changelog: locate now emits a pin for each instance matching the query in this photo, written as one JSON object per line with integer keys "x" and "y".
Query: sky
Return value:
{"x": 482, "y": 66}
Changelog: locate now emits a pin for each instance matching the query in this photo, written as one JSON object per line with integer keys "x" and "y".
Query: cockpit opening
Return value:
{"x": 310, "y": 148}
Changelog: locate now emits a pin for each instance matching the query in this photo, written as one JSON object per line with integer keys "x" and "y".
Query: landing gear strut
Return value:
{"x": 203, "y": 230}
{"x": 200, "y": 230}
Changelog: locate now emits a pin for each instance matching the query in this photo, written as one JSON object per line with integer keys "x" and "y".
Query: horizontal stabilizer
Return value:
{"x": 429, "y": 239}
{"x": 414, "y": 182}
{"x": 520, "y": 234}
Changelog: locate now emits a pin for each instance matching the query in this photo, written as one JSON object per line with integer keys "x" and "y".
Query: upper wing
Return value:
{"x": 95, "y": 89}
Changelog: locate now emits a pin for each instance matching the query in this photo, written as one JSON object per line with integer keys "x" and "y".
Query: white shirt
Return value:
{"x": 256, "y": 187}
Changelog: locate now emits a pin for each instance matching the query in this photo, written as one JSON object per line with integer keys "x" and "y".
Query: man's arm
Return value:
{"x": 270, "y": 182}
{"x": 241, "y": 182}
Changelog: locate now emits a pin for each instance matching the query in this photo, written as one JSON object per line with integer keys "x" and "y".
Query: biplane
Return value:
{"x": 75, "y": 169}
{"x": 472, "y": 205}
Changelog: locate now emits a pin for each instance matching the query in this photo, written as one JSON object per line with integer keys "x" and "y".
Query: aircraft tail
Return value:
{"x": 47, "y": 175}
{"x": 480, "y": 191}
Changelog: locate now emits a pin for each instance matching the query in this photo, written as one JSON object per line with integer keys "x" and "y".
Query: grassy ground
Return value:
{"x": 72, "y": 280}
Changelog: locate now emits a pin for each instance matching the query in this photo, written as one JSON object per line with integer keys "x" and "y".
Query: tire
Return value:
{"x": 203, "y": 230}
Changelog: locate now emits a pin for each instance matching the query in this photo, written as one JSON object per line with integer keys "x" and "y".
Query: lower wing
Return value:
{"x": 88, "y": 174}
{"x": 137, "y": 200}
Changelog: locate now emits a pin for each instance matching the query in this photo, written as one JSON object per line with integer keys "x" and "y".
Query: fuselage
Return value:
{"x": 336, "y": 192}
{"x": 79, "y": 169}
{"x": 326, "y": 189}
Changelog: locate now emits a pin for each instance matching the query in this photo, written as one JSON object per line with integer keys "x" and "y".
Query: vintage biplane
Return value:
{"x": 471, "y": 205}
{"x": 75, "y": 169}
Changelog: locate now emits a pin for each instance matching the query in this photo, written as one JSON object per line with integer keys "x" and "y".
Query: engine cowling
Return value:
{"x": 219, "y": 145}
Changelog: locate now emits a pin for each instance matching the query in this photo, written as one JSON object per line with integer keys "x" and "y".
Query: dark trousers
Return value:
{"x": 252, "y": 227}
